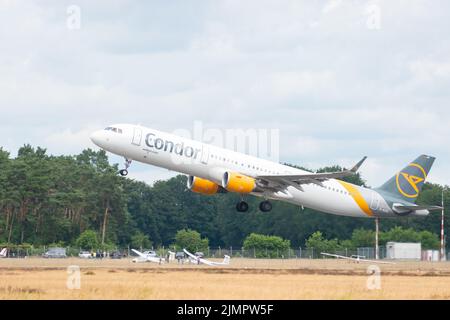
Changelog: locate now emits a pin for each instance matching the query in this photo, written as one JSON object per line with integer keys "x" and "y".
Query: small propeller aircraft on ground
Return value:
{"x": 355, "y": 258}
{"x": 147, "y": 256}
{"x": 199, "y": 260}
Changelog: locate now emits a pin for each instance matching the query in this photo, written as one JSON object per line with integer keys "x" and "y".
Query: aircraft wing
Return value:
{"x": 226, "y": 260}
{"x": 299, "y": 179}
{"x": 207, "y": 262}
{"x": 140, "y": 254}
{"x": 334, "y": 255}
{"x": 355, "y": 259}
{"x": 144, "y": 258}
{"x": 191, "y": 255}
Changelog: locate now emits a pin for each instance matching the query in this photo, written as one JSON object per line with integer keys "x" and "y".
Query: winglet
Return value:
{"x": 358, "y": 165}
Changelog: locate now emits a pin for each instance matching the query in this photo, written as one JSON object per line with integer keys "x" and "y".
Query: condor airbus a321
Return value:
{"x": 212, "y": 170}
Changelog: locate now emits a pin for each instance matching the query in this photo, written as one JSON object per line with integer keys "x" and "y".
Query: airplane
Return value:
{"x": 355, "y": 258}
{"x": 4, "y": 253}
{"x": 147, "y": 256}
{"x": 213, "y": 170}
{"x": 199, "y": 260}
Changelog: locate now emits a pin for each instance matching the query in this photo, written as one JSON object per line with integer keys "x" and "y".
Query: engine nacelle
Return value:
{"x": 236, "y": 182}
{"x": 203, "y": 186}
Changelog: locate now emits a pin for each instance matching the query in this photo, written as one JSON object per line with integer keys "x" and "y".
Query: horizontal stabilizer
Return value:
{"x": 415, "y": 208}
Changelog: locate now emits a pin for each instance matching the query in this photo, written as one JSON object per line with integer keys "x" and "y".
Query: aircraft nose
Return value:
{"x": 96, "y": 137}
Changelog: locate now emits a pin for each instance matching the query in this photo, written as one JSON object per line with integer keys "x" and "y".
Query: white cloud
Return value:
{"x": 293, "y": 84}
{"x": 69, "y": 141}
{"x": 425, "y": 70}
{"x": 331, "y": 5}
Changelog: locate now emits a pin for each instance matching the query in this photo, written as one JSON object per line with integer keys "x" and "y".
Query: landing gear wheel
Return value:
{"x": 124, "y": 172}
{"x": 242, "y": 206}
{"x": 265, "y": 206}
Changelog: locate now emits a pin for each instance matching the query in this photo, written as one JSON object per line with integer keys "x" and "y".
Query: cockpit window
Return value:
{"x": 117, "y": 130}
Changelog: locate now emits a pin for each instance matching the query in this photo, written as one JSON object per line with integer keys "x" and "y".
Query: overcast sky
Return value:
{"x": 339, "y": 79}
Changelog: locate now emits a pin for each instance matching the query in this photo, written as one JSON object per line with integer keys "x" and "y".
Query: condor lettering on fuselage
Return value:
{"x": 169, "y": 146}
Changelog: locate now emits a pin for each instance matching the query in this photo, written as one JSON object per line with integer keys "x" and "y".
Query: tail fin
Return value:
{"x": 226, "y": 260}
{"x": 3, "y": 252}
{"x": 408, "y": 183}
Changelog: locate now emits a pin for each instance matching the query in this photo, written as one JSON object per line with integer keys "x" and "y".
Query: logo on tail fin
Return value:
{"x": 408, "y": 180}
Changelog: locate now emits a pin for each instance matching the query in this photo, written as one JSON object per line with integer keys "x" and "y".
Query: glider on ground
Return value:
{"x": 199, "y": 260}
{"x": 355, "y": 258}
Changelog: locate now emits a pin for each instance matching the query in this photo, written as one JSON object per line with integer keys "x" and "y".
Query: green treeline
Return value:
{"x": 53, "y": 199}
{"x": 366, "y": 238}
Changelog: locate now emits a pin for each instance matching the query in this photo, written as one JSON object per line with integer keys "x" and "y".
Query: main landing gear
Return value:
{"x": 242, "y": 206}
{"x": 124, "y": 172}
{"x": 264, "y": 206}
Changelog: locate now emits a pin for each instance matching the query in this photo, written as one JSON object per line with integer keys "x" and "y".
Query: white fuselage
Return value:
{"x": 210, "y": 162}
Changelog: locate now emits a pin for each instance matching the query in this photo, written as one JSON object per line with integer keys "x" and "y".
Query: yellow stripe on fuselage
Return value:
{"x": 357, "y": 196}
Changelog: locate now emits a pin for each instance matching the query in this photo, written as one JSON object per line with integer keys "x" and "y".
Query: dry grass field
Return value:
{"x": 36, "y": 278}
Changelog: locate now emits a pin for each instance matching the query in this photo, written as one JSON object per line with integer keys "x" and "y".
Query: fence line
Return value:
{"x": 219, "y": 252}
{"x": 292, "y": 253}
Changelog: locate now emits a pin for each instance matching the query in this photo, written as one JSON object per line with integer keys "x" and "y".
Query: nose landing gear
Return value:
{"x": 124, "y": 172}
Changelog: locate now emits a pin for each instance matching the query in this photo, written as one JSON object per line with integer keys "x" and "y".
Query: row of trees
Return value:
{"x": 189, "y": 239}
{"x": 47, "y": 199}
{"x": 54, "y": 199}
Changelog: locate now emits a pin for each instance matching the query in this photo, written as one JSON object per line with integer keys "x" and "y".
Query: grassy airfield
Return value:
{"x": 36, "y": 278}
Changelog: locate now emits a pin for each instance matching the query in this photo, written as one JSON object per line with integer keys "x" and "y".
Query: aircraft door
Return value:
{"x": 205, "y": 155}
{"x": 375, "y": 201}
{"x": 137, "y": 136}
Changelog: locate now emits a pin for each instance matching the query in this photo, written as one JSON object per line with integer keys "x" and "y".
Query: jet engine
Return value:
{"x": 236, "y": 182}
{"x": 203, "y": 186}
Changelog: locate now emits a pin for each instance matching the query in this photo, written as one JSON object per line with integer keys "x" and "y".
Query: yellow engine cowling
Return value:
{"x": 236, "y": 182}
{"x": 202, "y": 186}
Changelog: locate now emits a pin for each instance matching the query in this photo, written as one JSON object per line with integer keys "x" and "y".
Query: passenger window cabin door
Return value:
{"x": 137, "y": 136}
{"x": 375, "y": 202}
{"x": 205, "y": 155}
